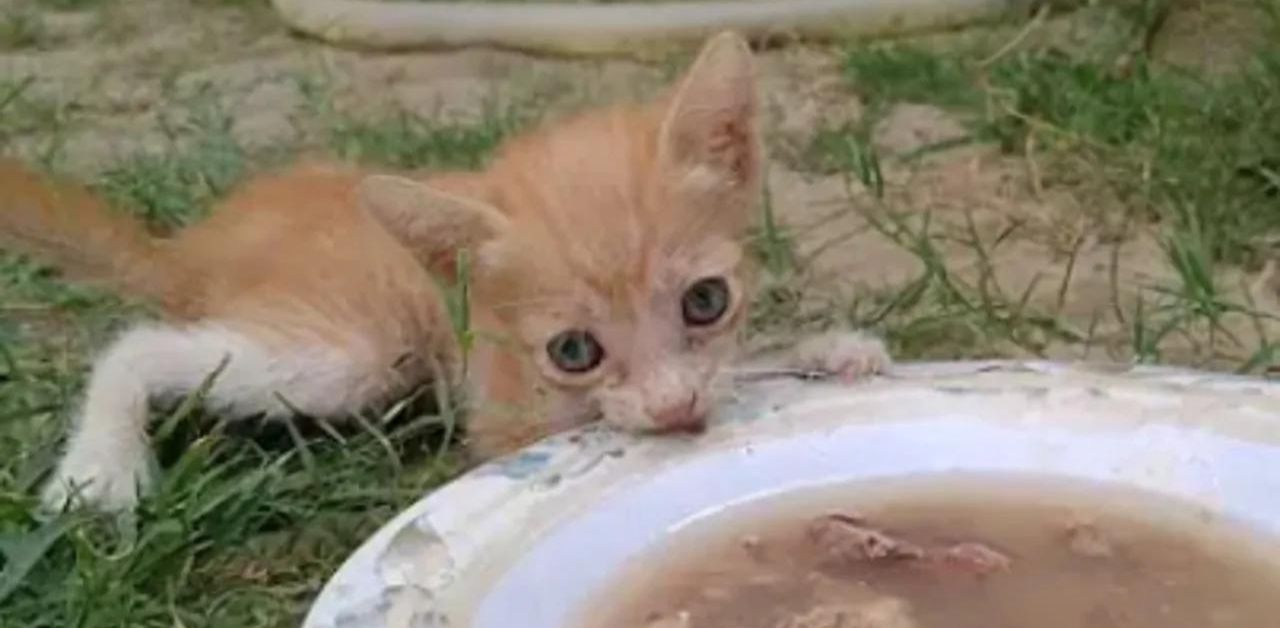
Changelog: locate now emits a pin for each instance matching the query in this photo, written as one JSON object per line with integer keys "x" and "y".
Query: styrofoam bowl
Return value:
{"x": 524, "y": 541}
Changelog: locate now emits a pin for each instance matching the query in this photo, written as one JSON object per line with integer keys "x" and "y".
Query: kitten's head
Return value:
{"x": 609, "y": 248}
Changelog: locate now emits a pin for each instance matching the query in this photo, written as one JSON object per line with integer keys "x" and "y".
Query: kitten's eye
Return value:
{"x": 575, "y": 351}
{"x": 705, "y": 302}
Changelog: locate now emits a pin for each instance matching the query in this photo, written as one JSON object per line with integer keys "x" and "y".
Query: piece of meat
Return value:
{"x": 677, "y": 620}
{"x": 754, "y": 547}
{"x": 1085, "y": 539}
{"x": 973, "y": 558}
{"x": 845, "y": 538}
{"x": 885, "y": 612}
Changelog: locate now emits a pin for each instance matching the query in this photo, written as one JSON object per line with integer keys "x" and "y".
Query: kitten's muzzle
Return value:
{"x": 689, "y": 416}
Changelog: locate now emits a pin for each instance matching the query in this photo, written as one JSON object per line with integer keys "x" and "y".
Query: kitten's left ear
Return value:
{"x": 711, "y": 128}
{"x": 432, "y": 223}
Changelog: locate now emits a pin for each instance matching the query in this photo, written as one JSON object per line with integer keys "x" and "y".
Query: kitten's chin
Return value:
{"x": 627, "y": 412}
{"x": 638, "y": 423}
{"x": 650, "y": 426}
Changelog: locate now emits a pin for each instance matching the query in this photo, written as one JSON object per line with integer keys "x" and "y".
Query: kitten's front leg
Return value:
{"x": 849, "y": 355}
{"x": 107, "y": 458}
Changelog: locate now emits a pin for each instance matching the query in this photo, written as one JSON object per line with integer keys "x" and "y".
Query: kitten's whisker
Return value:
{"x": 761, "y": 374}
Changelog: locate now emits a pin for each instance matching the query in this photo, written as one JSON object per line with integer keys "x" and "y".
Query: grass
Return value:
{"x": 21, "y": 28}
{"x": 408, "y": 140}
{"x": 885, "y": 74}
{"x": 72, "y": 5}
{"x": 171, "y": 187}
{"x": 249, "y": 521}
{"x": 400, "y": 138}
{"x": 1203, "y": 143}
{"x": 16, "y": 106}
{"x": 27, "y": 115}
{"x": 1190, "y": 154}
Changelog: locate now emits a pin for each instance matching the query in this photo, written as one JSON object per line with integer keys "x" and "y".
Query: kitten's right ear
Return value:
{"x": 432, "y": 223}
{"x": 711, "y": 126}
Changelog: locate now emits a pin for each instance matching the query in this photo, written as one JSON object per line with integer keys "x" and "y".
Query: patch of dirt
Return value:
{"x": 1038, "y": 245}
{"x": 804, "y": 93}
{"x": 908, "y": 128}
{"x": 1214, "y": 35}
{"x": 121, "y": 82}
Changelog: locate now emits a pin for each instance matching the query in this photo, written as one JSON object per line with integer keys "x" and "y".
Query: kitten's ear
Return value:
{"x": 711, "y": 126}
{"x": 432, "y": 223}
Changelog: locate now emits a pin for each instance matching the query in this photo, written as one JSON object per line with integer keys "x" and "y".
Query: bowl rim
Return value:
{"x": 444, "y": 555}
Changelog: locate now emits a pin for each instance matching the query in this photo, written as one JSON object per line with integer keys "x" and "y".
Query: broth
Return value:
{"x": 961, "y": 552}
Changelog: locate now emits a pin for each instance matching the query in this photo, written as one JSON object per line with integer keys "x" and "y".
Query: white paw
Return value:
{"x": 848, "y": 355}
{"x": 101, "y": 478}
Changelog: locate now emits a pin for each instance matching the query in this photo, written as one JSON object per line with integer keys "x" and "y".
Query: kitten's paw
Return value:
{"x": 103, "y": 480}
{"x": 848, "y": 355}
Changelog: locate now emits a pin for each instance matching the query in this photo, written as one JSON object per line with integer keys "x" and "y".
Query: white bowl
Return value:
{"x": 525, "y": 541}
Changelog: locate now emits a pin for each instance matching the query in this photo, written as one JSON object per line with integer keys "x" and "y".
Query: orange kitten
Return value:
{"x": 608, "y": 279}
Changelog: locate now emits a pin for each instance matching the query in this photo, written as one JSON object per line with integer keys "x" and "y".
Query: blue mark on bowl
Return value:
{"x": 518, "y": 466}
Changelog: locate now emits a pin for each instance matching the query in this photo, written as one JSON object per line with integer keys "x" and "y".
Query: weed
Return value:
{"x": 905, "y": 73}
{"x": 21, "y": 28}
{"x": 1080, "y": 98}
{"x": 849, "y": 150}
{"x": 772, "y": 244}
{"x": 170, "y": 188}
{"x": 28, "y": 115}
{"x": 228, "y": 512}
{"x": 407, "y": 140}
{"x": 403, "y": 139}
{"x": 233, "y": 3}
{"x": 1191, "y": 151}
{"x": 941, "y": 314}
{"x": 1196, "y": 148}
{"x": 72, "y": 5}
{"x": 458, "y": 305}
{"x": 12, "y": 91}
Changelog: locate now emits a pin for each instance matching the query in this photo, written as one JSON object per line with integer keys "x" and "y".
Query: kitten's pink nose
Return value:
{"x": 681, "y": 417}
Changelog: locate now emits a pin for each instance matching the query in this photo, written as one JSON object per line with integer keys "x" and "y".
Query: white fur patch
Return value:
{"x": 107, "y": 457}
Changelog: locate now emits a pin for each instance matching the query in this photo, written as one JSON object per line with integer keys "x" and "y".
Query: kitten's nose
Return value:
{"x": 681, "y": 417}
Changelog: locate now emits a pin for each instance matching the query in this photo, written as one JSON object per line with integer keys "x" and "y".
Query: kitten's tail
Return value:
{"x": 67, "y": 226}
